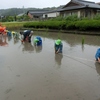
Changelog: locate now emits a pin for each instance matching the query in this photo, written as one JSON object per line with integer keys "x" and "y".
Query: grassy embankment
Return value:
{"x": 80, "y": 25}
{"x": 13, "y": 25}
{"x": 70, "y": 23}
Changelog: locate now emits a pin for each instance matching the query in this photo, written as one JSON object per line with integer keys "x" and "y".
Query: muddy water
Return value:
{"x": 37, "y": 73}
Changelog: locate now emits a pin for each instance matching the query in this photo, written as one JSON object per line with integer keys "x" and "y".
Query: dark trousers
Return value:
{"x": 58, "y": 47}
{"x": 27, "y": 38}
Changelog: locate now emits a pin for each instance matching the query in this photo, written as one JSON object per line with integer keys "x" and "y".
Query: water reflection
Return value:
{"x": 16, "y": 40}
{"x": 3, "y": 40}
{"x": 97, "y": 65}
{"x": 38, "y": 49}
{"x": 72, "y": 39}
{"x": 58, "y": 58}
{"x": 27, "y": 47}
{"x": 82, "y": 47}
{"x": 9, "y": 38}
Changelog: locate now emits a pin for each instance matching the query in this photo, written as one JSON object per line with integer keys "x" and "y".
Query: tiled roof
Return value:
{"x": 87, "y": 3}
{"x": 21, "y": 14}
{"x": 37, "y": 12}
{"x": 82, "y": 4}
{"x": 56, "y": 10}
{"x": 72, "y": 8}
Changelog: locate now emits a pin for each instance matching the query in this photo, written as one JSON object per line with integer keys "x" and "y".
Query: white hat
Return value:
{"x": 32, "y": 32}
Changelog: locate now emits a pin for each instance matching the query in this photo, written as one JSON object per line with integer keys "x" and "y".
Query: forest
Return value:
{"x": 16, "y": 11}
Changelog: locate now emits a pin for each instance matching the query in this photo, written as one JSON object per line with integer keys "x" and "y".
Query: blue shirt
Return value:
{"x": 27, "y": 32}
{"x": 40, "y": 40}
{"x": 97, "y": 55}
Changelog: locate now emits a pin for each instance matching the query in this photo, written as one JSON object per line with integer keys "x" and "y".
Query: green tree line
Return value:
{"x": 16, "y": 11}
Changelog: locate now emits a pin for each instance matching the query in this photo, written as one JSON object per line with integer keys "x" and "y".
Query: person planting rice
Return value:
{"x": 38, "y": 41}
{"x": 58, "y": 46}
{"x": 15, "y": 34}
{"x": 27, "y": 35}
{"x": 3, "y": 30}
{"x": 9, "y": 33}
{"x": 97, "y": 55}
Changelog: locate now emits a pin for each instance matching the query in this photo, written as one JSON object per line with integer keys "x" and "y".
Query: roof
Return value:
{"x": 52, "y": 11}
{"x": 21, "y": 14}
{"x": 72, "y": 8}
{"x": 80, "y": 4}
{"x": 87, "y": 3}
{"x": 98, "y": 3}
{"x": 37, "y": 12}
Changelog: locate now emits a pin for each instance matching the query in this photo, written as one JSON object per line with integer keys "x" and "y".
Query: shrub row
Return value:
{"x": 46, "y": 24}
{"x": 83, "y": 25}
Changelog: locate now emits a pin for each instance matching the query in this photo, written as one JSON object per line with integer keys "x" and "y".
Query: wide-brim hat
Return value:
{"x": 58, "y": 42}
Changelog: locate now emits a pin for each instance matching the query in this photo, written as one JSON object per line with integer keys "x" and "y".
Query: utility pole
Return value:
{"x": 23, "y": 10}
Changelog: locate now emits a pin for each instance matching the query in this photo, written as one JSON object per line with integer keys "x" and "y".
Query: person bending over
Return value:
{"x": 27, "y": 35}
{"x": 58, "y": 46}
{"x": 97, "y": 55}
{"x": 38, "y": 41}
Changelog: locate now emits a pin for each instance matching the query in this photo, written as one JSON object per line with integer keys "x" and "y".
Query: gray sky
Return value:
{"x": 5, "y": 4}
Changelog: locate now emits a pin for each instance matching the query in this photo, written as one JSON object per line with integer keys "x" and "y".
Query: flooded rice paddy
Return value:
{"x": 37, "y": 73}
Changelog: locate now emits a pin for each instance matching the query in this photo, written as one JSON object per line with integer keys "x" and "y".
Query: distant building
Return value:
{"x": 1, "y": 17}
{"x": 98, "y": 3}
{"x": 51, "y": 14}
{"x": 38, "y": 14}
{"x": 21, "y": 14}
{"x": 81, "y": 8}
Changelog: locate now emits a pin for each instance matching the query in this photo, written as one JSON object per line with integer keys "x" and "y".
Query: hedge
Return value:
{"x": 82, "y": 25}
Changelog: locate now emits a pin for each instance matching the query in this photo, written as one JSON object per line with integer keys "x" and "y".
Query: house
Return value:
{"x": 52, "y": 14}
{"x": 36, "y": 14}
{"x": 98, "y": 3}
{"x": 81, "y": 8}
{"x": 22, "y": 14}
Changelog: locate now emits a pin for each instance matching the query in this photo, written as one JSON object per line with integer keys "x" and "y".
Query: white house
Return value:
{"x": 51, "y": 14}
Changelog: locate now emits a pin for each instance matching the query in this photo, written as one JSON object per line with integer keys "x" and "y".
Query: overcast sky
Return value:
{"x": 5, "y": 4}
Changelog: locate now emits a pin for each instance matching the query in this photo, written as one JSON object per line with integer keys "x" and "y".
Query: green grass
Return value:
{"x": 83, "y": 40}
{"x": 13, "y": 25}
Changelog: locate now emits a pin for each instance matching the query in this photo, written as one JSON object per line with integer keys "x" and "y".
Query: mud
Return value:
{"x": 37, "y": 73}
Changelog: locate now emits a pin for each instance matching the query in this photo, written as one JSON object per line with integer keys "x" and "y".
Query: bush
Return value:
{"x": 69, "y": 23}
{"x": 97, "y": 17}
{"x": 88, "y": 25}
{"x": 71, "y": 18}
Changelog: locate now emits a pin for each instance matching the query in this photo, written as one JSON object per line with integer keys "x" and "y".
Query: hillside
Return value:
{"x": 16, "y": 11}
